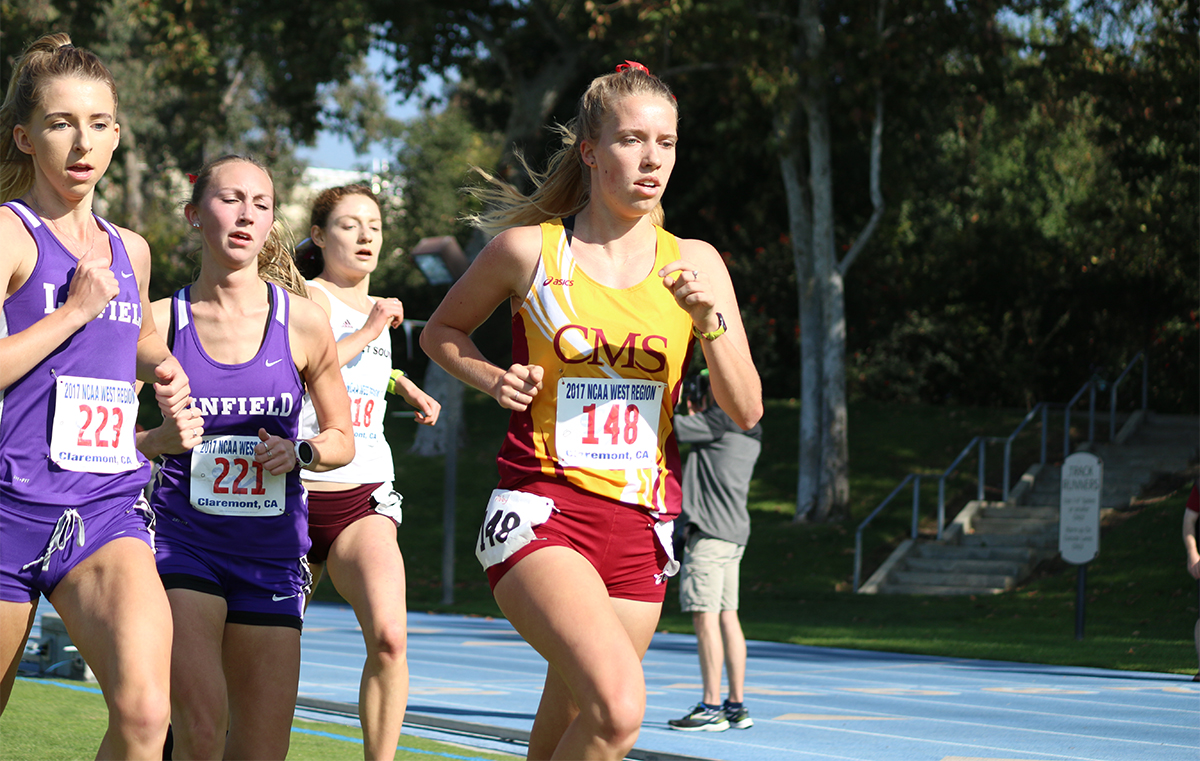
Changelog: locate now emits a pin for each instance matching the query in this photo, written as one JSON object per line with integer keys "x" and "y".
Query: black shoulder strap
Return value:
{"x": 171, "y": 326}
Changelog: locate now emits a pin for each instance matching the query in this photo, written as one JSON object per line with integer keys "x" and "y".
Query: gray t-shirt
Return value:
{"x": 716, "y": 476}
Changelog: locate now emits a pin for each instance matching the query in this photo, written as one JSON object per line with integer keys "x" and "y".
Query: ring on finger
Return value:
{"x": 695, "y": 275}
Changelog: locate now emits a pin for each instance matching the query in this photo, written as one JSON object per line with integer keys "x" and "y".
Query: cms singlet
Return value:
{"x": 217, "y": 496}
{"x": 67, "y": 426}
{"x": 613, "y": 361}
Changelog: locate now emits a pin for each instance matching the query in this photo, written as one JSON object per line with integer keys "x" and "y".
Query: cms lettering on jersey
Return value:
{"x": 118, "y": 311}
{"x": 646, "y": 355}
{"x": 245, "y": 405}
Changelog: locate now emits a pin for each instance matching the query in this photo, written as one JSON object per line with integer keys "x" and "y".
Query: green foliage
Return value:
{"x": 1036, "y": 247}
{"x": 434, "y": 163}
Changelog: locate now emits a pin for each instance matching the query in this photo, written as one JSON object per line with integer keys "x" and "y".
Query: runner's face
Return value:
{"x": 71, "y": 135}
{"x": 236, "y": 212}
{"x": 634, "y": 155}
{"x": 352, "y": 238}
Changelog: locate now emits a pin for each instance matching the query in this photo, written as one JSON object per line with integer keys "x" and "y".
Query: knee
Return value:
{"x": 390, "y": 641}
{"x": 141, "y": 716}
{"x": 619, "y": 717}
{"x": 199, "y": 733}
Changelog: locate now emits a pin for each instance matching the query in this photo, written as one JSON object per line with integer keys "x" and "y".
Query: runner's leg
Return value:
{"x": 558, "y": 603}
{"x": 116, "y": 612}
{"x": 367, "y": 568}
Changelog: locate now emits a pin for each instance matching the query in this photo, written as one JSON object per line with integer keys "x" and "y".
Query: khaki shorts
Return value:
{"x": 709, "y": 580}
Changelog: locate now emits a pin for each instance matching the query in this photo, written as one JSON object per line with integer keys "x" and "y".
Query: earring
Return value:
{"x": 196, "y": 225}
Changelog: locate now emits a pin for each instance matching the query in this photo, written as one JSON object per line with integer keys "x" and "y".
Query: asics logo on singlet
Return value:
{"x": 646, "y": 355}
{"x": 558, "y": 281}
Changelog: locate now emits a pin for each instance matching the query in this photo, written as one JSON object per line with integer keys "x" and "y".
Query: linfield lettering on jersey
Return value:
{"x": 119, "y": 311}
{"x": 245, "y": 405}
{"x": 646, "y": 355}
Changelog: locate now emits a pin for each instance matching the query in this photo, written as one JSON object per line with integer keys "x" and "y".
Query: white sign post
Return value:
{"x": 1079, "y": 520}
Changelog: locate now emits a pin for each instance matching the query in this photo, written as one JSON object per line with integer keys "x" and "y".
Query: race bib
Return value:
{"x": 93, "y": 427}
{"x": 508, "y": 524}
{"x": 226, "y": 479}
{"x": 608, "y": 423}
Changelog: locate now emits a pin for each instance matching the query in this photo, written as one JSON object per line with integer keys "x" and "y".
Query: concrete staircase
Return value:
{"x": 992, "y": 546}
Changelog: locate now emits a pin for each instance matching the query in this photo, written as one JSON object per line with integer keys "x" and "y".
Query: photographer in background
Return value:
{"x": 716, "y": 526}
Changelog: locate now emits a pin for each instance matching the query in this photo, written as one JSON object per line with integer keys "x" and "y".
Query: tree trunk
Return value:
{"x": 135, "y": 200}
{"x": 534, "y": 99}
{"x": 832, "y": 409}
{"x": 795, "y": 183}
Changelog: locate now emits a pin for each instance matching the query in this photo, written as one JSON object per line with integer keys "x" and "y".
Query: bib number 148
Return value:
{"x": 613, "y": 424}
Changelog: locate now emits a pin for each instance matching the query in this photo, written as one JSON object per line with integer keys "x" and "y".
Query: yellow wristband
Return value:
{"x": 396, "y": 375}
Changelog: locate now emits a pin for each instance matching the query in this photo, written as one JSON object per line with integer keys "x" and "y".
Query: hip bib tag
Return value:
{"x": 508, "y": 524}
{"x": 226, "y": 480}
{"x": 607, "y": 423}
{"x": 93, "y": 428}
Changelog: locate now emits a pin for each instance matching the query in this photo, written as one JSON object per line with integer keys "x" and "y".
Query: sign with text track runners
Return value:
{"x": 1079, "y": 508}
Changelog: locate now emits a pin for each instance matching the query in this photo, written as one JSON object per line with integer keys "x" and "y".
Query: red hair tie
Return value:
{"x": 191, "y": 178}
{"x": 633, "y": 65}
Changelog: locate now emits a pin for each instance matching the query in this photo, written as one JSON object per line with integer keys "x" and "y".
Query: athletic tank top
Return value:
{"x": 366, "y": 379}
{"x": 67, "y": 427}
{"x": 215, "y": 496}
{"x": 613, "y": 361}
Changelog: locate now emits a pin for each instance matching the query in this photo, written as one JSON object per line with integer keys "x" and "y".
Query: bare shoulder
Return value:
{"x": 698, "y": 251}
{"x": 307, "y": 316}
{"x": 515, "y": 245}
{"x": 506, "y": 265}
{"x": 318, "y": 297}
{"x": 136, "y": 245}
{"x": 19, "y": 251}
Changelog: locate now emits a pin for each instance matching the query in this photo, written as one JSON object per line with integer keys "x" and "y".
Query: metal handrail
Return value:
{"x": 982, "y": 442}
{"x": 1112, "y": 399}
{"x": 408, "y": 326}
{"x": 1044, "y": 407}
{"x": 1089, "y": 386}
{"x": 858, "y": 534}
{"x": 1094, "y": 382}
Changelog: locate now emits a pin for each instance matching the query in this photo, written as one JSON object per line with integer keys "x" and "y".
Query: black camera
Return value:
{"x": 695, "y": 389}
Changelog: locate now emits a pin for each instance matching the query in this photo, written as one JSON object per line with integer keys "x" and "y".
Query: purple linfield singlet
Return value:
{"x": 216, "y": 497}
{"x": 92, "y": 373}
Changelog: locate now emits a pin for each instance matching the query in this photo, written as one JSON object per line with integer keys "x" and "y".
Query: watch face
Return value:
{"x": 304, "y": 453}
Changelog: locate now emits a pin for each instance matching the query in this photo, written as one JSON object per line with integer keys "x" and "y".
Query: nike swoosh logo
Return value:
{"x": 273, "y": 362}
{"x": 126, "y": 274}
{"x": 277, "y": 598}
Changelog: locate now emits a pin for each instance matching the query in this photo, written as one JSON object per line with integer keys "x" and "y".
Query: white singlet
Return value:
{"x": 366, "y": 378}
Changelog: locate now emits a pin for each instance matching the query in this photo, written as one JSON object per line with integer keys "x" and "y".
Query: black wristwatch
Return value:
{"x": 305, "y": 454}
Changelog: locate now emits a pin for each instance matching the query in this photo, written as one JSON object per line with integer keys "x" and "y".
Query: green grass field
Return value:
{"x": 1141, "y": 604}
{"x": 53, "y": 720}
